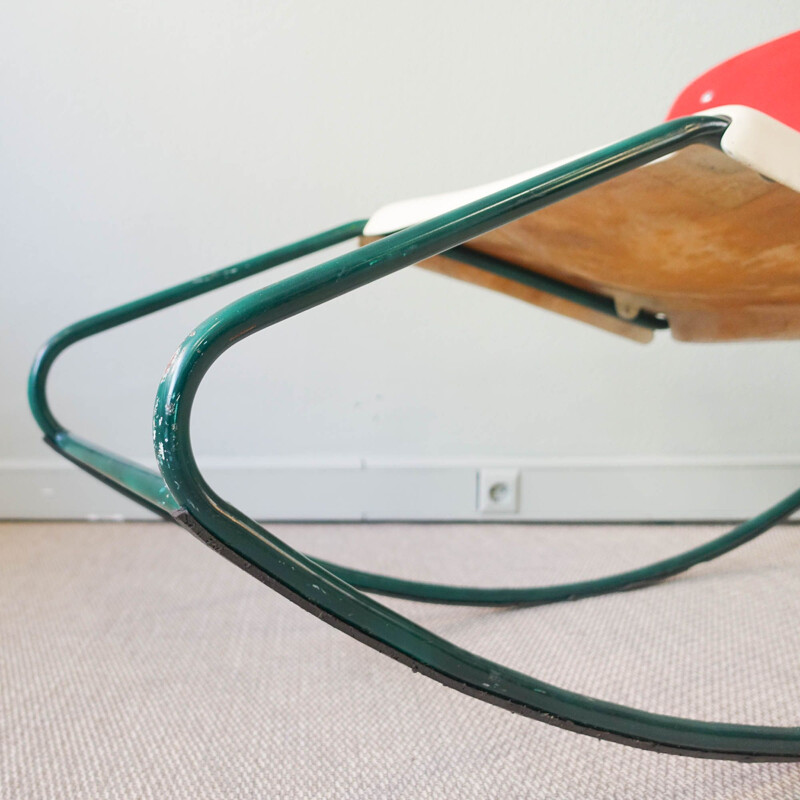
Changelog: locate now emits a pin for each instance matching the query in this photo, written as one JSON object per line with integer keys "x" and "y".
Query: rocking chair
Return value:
{"x": 692, "y": 226}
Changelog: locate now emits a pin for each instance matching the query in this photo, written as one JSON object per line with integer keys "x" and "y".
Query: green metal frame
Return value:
{"x": 333, "y": 592}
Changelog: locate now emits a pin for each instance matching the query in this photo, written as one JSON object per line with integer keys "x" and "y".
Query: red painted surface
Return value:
{"x": 766, "y": 78}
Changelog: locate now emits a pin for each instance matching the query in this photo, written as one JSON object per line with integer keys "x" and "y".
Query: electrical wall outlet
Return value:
{"x": 498, "y": 491}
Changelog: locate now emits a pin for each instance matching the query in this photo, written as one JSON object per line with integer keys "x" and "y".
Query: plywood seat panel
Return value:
{"x": 694, "y": 233}
{"x": 700, "y": 237}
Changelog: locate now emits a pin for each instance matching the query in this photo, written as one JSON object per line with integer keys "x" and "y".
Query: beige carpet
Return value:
{"x": 136, "y": 663}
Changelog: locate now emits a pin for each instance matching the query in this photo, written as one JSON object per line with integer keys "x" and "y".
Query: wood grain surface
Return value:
{"x": 696, "y": 236}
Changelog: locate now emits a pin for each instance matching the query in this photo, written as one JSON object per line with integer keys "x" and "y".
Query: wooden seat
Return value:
{"x": 710, "y": 239}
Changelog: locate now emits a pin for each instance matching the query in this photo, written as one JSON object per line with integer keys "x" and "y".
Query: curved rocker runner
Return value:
{"x": 701, "y": 173}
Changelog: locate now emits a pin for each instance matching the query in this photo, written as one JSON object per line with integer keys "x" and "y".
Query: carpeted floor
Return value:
{"x": 136, "y": 663}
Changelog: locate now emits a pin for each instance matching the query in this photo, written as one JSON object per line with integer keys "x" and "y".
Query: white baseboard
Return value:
{"x": 600, "y": 489}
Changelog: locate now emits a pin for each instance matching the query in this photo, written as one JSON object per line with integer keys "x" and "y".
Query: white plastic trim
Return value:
{"x": 762, "y": 143}
{"x": 753, "y": 138}
{"x": 403, "y": 213}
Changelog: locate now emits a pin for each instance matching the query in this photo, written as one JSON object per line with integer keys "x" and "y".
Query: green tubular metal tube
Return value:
{"x": 597, "y": 302}
{"x": 37, "y": 384}
{"x": 542, "y": 595}
{"x": 129, "y": 478}
{"x": 325, "y": 594}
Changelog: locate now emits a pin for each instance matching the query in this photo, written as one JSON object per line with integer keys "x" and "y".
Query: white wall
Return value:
{"x": 144, "y": 143}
